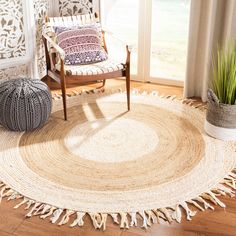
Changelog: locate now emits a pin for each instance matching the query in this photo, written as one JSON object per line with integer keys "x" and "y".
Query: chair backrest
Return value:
{"x": 67, "y": 21}
{"x": 79, "y": 20}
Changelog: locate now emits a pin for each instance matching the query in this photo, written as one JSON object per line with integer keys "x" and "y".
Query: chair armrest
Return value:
{"x": 58, "y": 49}
{"x": 113, "y": 35}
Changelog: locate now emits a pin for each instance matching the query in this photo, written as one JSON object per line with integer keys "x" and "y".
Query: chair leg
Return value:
{"x": 128, "y": 87}
{"x": 49, "y": 81}
{"x": 63, "y": 89}
{"x": 103, "y": 83}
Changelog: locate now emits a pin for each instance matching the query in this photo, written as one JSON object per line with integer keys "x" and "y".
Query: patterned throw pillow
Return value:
{"x": 82, "y": 45}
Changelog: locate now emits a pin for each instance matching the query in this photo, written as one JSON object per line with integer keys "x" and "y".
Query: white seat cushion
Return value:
{"x": 103, "y": 67}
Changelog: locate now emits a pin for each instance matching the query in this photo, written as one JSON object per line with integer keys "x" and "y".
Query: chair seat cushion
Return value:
{"x": 103, "y": 67}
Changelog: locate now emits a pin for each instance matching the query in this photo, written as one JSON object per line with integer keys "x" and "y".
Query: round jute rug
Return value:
{"x": 154, "y": 161}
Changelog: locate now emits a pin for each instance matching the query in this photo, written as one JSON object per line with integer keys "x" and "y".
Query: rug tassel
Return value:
{"x": 24, "y": 201}
{"x": 52, "y": 209}
{"x": 166, "y": 214}
{"x": 79, "y": 219}
{"x": 96, "y": 219}
{"x": 133, "y": 216}
{"x": 37, "y": 212}
{"x": 233, "y": 182}
{"x": 227, "y": 190}
{"x": 157, "y": 213}
{"x": 14, "y": 196}
{"x": 184, "y": 100}
{"x": 222, "y": 190}
{"x": 103, "y": 221}
{"x": 177, "y": 214}
{"x": 75, "y": 92}
{"x": 197, "y": 106}
{"x": 218, "y": 202}
{"x": 45, "y": 209}
{"x": 168, "y": 97}
{"x": 37, "y": 204}
{"x": 203, "y": 107}
{"x": 145, "y": 220}
{"x": 196, "y": 205}
{"x": 206, "y": 204}
{"x": 151, "y": 217}
{"x": 230, "y": 182}
{"x": 2, "y": 192}
{"x": 189, "y": 212}
{"x": 208, "y": 197}
{"x": 211, "y": 197}
{"x": 124, "y": 223}
{"x": 232, "y": 174}
{"x": 115, "y": 218}
{"x": 56, "y": 215}
{"x": 8, "y": 193}
{"x": 65, "y": 219}
{"x": 219, "y": 192}
{"x": 161, "y": 216}
{"x": 29, "y": 204}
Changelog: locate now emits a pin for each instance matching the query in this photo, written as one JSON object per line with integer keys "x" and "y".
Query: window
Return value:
{"x": 121, "y": 18}
{"x": 158, "y": 31}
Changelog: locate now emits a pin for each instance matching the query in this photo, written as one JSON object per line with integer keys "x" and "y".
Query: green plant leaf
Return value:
{"x": 224, "y": 74}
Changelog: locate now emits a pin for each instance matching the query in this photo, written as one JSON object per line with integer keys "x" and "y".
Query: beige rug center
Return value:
{"x": 108, "y": 140}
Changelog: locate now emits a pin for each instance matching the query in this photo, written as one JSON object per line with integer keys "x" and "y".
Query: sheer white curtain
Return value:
{"x": 212, "y": 23}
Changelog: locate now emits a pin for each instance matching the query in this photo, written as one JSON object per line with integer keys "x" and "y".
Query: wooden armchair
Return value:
{"x": 82, "y": 74}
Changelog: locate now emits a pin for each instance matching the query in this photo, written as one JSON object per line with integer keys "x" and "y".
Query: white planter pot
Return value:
{"x": 225, "y": 134}
{"x": 220, "y": 119}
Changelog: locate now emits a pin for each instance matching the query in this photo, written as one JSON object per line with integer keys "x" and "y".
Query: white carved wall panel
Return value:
{"x": 12, "y": 37}
{"x": 14, "y": 72}
{"x": 14, "y": 42}
{"x": 75, "y": 7}
{"x": 40, "y": 12}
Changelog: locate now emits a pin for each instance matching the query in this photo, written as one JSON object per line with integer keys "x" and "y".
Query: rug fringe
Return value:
{"x": 187, "y": 101}
{"x": 79, "y": 219}
{"x": 133, "y": 216}
{"x": 65, "y": 219}
{"x": 125, "y": 219}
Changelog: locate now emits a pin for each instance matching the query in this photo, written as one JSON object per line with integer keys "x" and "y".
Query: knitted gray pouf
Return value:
{"x": 25, "y": 104}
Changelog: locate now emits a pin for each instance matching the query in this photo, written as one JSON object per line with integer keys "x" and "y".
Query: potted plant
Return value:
{"x": 221, "y": 109}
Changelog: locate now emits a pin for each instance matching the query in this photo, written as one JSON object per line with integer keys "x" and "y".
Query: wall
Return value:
{"x": 14, "y": 25}
{"x": 68, "y": 7}
{"x": 12, "y": 38}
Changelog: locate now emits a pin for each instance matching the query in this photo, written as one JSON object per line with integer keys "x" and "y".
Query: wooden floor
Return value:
{"x": 218, "y": 223}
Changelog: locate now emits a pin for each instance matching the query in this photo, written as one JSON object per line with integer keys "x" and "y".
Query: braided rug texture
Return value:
{"x": 104, "y": 161}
